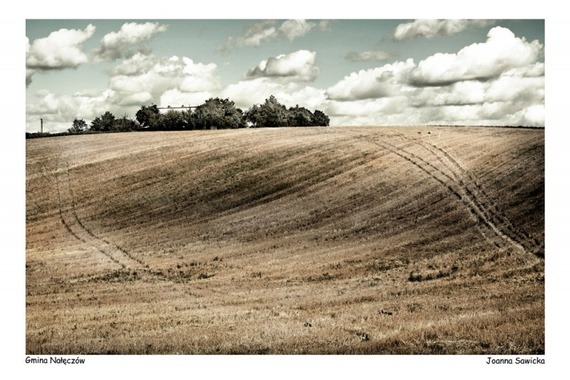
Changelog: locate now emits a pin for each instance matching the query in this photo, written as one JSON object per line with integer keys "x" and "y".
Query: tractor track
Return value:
{"x": 116, "y": 254}
{"x": 458, "y": 181}
{"x": 478, "y": 195}
{"x": 72, "y": 223}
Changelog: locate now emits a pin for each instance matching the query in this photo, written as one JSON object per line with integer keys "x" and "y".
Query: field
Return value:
{"x": 400, "y": 240}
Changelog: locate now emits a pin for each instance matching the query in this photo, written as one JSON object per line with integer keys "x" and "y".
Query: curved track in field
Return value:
{"x": 450, "y": 174}
{"x": 72, "y": 223}
{"x": 481, "y": 200}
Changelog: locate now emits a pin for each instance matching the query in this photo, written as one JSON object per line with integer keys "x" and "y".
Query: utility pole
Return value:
{"x": 42, "y": 125}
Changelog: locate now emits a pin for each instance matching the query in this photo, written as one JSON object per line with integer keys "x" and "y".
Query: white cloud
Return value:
{"x": 136, "y": 99}
{"x": 308, "y": 97}
{"x": 178, "y": 78}
{"x": 382, "y": 111}
{"x": 534, "y": 115}
{"x": 115, "y": 45}
{"x": 498, "y": 82}
{"x": 497, "y": 113}
{"x": 58, "y": 111}
{"x": 385, "y": 81}
{"x": 138, "y": 64}
{"x": 521, "y": 85}
{"x": 296, "y": 66}
{"x": 249, "y": 92}
{"x": 370, "y": 55}
{"x": 391, "y": 105}
{"x": 501, "y": 52}
{"x": 460, "y": 93}
{"x": 430, "y": 28}
{"x": 175, "y": 97}
{"x": 199, "y": 77}
{"x": 265, "y": 31}
{"x": 137, "y": 81}
{"x": 62, "y": 49}
{"x": 293, "y": 29}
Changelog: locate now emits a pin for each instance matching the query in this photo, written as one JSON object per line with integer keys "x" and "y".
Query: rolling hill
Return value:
{"x": 400, "y": 240}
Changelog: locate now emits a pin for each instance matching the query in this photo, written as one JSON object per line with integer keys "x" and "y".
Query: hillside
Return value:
{"x": 302, "y": 240}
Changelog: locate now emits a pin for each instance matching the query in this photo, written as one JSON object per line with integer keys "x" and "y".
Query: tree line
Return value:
{"x": 215, "y": 113}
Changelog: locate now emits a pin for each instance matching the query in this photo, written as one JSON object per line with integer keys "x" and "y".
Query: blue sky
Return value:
{"x": 358, "y": 71}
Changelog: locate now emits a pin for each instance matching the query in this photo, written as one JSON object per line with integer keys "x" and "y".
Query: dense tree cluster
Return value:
{"x": 273, "y": 114}
{"x": 215, "y": 113}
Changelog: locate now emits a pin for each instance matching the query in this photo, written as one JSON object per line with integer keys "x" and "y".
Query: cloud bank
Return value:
{"x": 370, "y": 55}
{"x": 296, "y": 66}
{"x": 265, "y": 31}
{"x": 116, "y": 45}
{"x": 501, "y": 52}
{"x": 426, "y": 28}
{"x": 497, "y": 82}
{"x": 62, "y": 49}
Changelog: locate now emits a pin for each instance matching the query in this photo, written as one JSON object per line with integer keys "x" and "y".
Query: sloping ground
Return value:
{"x": 309, "y": 240}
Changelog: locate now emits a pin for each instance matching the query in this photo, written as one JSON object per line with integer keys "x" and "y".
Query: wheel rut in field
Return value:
{"x": 480, "y": 198}
{"x": 457, "y": 180}
{"x": 76, "y": 228}
{"x": 72, "y": 223}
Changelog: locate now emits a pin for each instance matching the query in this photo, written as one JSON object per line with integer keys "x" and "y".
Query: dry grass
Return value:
{"x": 287, "y": 241}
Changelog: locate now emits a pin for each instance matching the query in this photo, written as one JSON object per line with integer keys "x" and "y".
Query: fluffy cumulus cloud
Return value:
{"x": 297, "y": 66}
{"x": 426, "y": 28}
{"x": 497, "y": 82}
{"x": 255, "y": 91}
{"x": 58, "y": 111}
{"x": 370, "y": 55}
{"x": 283, "y": 76}
{"x": 138, "y": 64}
{"x": 146, "y": 78}
{"x": 248, "y": 92}
{"x": 386, "y": 81}
{"x": 136, "y": 81}
{"x": 115, "y": 45}
{"x": 292, "y": 29}
{"x": 502, "y": 51}
{"x": 62, "y": 49}
{"x": 265, "y": 31}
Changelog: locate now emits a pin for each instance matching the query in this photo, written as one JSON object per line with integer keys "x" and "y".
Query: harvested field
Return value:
{"x": 401, "y": 240}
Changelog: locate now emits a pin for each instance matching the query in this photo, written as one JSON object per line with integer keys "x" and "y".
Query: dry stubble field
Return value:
{"x": 425, "y": 240}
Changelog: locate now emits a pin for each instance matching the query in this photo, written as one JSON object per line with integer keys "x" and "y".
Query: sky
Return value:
{"x": 359, "y": 72}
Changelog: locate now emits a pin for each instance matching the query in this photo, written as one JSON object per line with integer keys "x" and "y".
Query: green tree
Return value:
{"x": 299, "y": 116}
{"x": 270, "y": 114}
{"x": 320, "y": 119}
{"x": 103, "y": 123}
{"x": 78, "y": 126}
{"x": 96, "y": 125}
{"x": 188, "y": 119}
{"x": 170, "y": 121}
{"x": 218, "y": 113}
{"x": 253, "y": 115}
{"x": 124, "y": 124}
{"x": 147, "y": 115}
